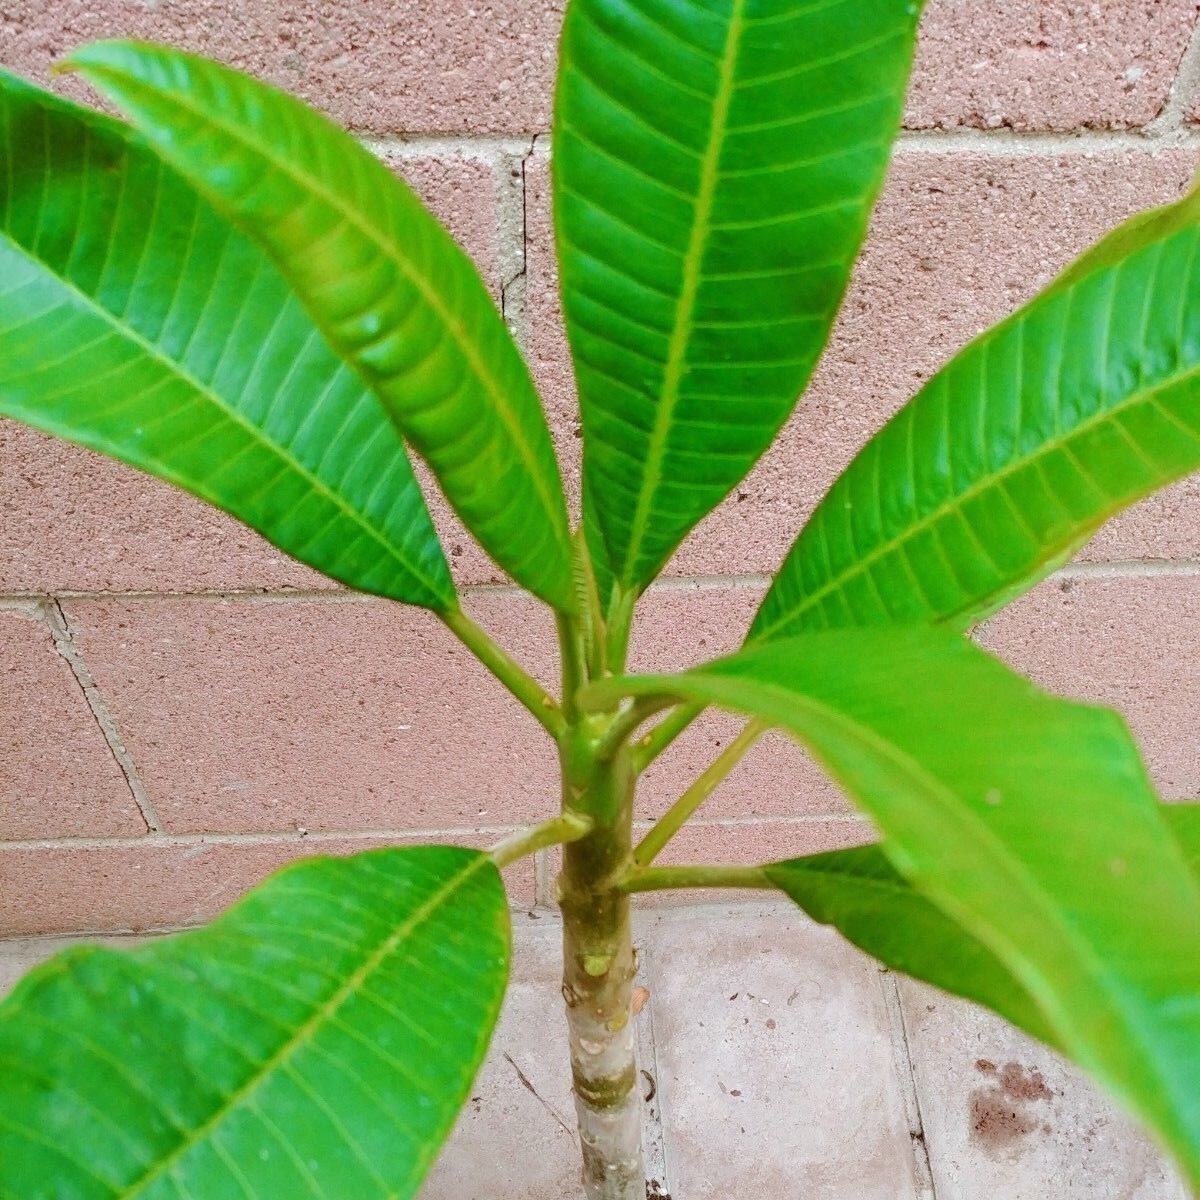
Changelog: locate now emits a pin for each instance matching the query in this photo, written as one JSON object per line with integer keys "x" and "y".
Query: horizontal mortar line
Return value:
{"x": 1009, "y": 142}
{"x": 1147, "y": 138}
{"x": 331, "y": 595}
{"x": 961, "y": 139}
{"x": 176, "y": 841}
{"x": 796, "y": 820}
{"x": 448, "y": 145}
{"x": 1137, "y": 568}
{"x": 27, "y": 601}
{"x": 169, "y": 841}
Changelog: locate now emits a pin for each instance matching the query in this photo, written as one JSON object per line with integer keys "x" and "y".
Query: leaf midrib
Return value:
{"x": 386, "y": 245}
{"x": 685, "y": 304}
{"x": 310, "y": 1027}
{"x": 1046, "y": 447}
{"x": 90, "y": 303}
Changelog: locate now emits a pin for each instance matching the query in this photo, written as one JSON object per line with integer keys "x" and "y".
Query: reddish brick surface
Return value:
{"x": 356, "y": 714}
{"x": 1129, "y": 642}
{"x": 1047, "y": 64}
{"x": 375, "y": 66}
{"x": 159, "y": 885}
{"x": 58, "y": 777}
{"x": 422, "y": 67}
{"x": 349, "y": 717}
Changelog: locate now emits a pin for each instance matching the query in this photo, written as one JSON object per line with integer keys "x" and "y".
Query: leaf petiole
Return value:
{"x": 569, "y": 827}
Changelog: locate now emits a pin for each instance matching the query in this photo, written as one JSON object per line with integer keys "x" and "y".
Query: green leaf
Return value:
{"x": 715, "y": 165}
{"x": 136, "y": 321}
{"x": 315, "y": 1041}
{"x": 1184, "y": 820}
{"x": 1015, "y": 453}
{"x": 388, "y": 286}
{"x": 861, "y": 893}
{"x": 1027, "y": 819}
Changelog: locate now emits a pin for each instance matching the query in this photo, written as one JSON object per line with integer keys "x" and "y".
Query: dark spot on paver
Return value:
{"x": 1021, "y": 1084}
{"x": 770, "y": 1023}
{"x": 654, "y": 1191}
{"x": 1000, "y": 1113}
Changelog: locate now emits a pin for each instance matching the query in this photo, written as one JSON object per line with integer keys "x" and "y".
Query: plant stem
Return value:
{"x": 569, "y": 827}
{"x": 590, "y": 607}
{"x": 663, "y": 734}
{"x": 657, "y": 879}
{"x": 522, "y": 685}
{"x": 599, "y": 966}
{"x": 626, "y": 722}
{"x": 620, "y": 622}
{"x": 573, "y": 653}
{"x": 669, "y": 824}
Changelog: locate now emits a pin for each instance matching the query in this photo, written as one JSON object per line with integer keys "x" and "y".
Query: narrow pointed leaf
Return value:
{"x": 1027, "y": 819}
{"x": 315, "y": 1042}
{"x": 388, "y": 286}
{"x": 714, "y": 169}
{"x": 1015, "y": 453}
{"x": 136, "y": 321}
{"x": 861, "y": 893}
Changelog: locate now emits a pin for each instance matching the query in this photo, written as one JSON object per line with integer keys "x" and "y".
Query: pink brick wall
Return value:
{"x": 182, "y": 708}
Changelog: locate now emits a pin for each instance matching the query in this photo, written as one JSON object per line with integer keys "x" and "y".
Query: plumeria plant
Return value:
{"x": 231, "y": 293}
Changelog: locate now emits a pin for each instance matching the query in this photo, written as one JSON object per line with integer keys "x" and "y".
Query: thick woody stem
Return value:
{"x": 598, "y": 972}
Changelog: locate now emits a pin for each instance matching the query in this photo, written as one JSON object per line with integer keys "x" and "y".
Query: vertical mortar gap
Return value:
{"x": 516, "y": 225}
{"x": 64, "y": 643}
{"x": 1185, "y": 88}
{"x": 908, "y": 1085}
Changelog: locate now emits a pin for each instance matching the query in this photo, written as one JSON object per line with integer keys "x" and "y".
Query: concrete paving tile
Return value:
{"x": 1006, "y": 1117}
{"x": 516, "y": 1136}
{"x": 775, "y": 1062}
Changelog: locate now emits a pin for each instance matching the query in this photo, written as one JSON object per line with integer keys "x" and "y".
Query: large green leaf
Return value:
{"x": 316, "y": 1041}
{"x": 715, "y": 163}
{"x": 386, "y": 283}
{"x": 136, "y": 321}
{"x": 1013, "y": 455}
{"x": 1027, "y": 819}
{"x": 861, "y": 893}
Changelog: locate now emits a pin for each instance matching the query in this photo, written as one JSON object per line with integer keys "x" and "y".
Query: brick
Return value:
{"x": 356, "y": 714}
{"x": 958, "y": 242}
{"x": 158, "y": 884}
{"x": 376, "y": 67}
{"x": 489, "y": 68}
{"x": 71, "y": 520}
{"x": 1005, "y": 1116}
{"x": 488, "y": 1153}
{"x": 1046, "y": 64}
{"x": 58, "y": 777}
{"x": 1130, "y": 642}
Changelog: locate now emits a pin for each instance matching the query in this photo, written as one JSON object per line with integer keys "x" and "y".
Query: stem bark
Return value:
{"x": 599, "y": 966}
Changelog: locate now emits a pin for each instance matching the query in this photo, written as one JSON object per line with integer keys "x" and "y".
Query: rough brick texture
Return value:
{"x": 261, "y": 714}
{"x": 57, "y": 775}
{"x": 1047, "y": 64}
{"x": 425, "y": 67}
